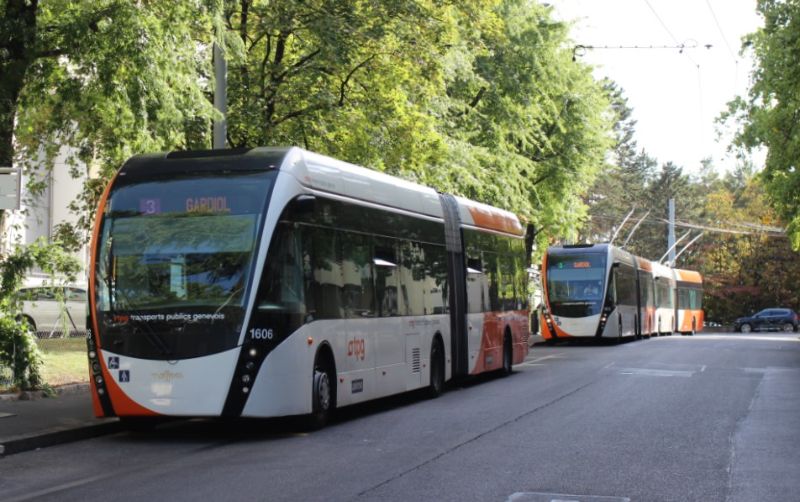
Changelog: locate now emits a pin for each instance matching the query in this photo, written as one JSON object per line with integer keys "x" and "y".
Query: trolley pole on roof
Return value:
{"x": 220, "y": 97}
{"x": 672, "y": 263}
{"x": 634, "y": 229}
{"x": 671, "y": 231}
{"x": 625, "y": 220}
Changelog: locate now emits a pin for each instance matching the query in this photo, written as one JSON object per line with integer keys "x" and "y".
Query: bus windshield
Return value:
{"x": 575, "y": 284}
{"x": 178, "y": 252}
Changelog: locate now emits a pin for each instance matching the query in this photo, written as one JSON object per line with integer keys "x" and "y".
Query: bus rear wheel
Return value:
{"x": 436, "y": 386}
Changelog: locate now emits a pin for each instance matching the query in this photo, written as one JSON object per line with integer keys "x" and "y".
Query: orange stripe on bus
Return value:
{"x": 495, "y": 220}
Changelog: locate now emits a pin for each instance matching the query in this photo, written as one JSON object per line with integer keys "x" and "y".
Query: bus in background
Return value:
{"x": 664, "y": 298}
{"x": 590, "y": 290}
{"x": 637, "y": 296}
{"x": 275, "y": 282}
{"x": 689, "y": 314}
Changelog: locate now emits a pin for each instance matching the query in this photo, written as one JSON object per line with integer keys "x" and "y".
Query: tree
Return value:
{"x": 107, "y": 77}
{"x": 527, "y": 128}
{"x": 477, "y": 98}
{"x": 751, "y": 266}
{"x": 770, "y": 115}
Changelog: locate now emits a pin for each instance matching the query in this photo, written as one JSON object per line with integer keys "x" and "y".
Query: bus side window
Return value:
{"x": 386, "y": 275}
{"x": 612, "y": 288}
{"x": 326, "y": 272}
{"x": 490, "y": 269}
{"x": 436, "y": 292}
{"x": 282, "y": 283}
{"x": 412, "y": 277}
{"x": 357, "y": 289}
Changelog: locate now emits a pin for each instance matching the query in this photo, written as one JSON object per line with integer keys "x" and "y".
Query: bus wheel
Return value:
{"x": 436, "y": 386}
{"x": 323, "y": 394}
{"x": 508, "y": 355}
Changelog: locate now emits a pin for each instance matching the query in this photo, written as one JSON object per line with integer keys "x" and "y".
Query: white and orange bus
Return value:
{"x": 603, "y": 292}
{"x": 276, "y": 282}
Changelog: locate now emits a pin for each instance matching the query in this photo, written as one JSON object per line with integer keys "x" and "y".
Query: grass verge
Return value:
{"x": 64, "y": 360}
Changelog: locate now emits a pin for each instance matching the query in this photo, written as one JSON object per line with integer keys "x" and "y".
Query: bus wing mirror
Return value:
{"x": 305, "y": 204}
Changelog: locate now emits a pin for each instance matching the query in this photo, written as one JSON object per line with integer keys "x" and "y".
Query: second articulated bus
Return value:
{"x": 273, "y": 282}
{"x": 600, "y": 291}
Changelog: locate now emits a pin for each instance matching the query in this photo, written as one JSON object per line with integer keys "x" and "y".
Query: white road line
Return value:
{"x": 653, "y": 372}
{"x": 544, "y": 358}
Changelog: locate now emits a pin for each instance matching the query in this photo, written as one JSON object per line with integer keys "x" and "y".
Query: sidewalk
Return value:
{"x": 36, "y": 422}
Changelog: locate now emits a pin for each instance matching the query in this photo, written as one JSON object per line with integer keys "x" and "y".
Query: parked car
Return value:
{"x": 44, "y": 312}
{"x": 773, "y": 319}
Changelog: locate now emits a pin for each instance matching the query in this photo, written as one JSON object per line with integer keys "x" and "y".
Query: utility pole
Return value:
{"x": 671, "y": 231}
{"x": 220, "y": 97}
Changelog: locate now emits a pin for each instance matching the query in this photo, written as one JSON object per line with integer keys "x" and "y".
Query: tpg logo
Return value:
{"x": 356, "y": 348}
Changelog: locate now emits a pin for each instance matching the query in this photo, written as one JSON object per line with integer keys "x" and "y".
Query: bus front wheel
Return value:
{"x": 323, "y": 395}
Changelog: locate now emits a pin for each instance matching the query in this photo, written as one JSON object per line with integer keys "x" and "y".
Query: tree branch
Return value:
{"x": 343, "y": 87}
{"x": 296, "y": 66}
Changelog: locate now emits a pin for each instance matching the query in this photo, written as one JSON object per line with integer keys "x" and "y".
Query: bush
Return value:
{"x": 18, "y": 351}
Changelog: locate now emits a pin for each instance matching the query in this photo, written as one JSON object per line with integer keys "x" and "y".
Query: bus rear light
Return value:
{"x": 310, "y": 341}
{"x": 92, "y": 354}
{"x": 98, "y": 380}
{"x": 250, "y": 366}
{"x": 95, "y": 367}
{"x": 246, "y": 379}
{"x": 245, "y": 390}
{"x": 253, "y": 352}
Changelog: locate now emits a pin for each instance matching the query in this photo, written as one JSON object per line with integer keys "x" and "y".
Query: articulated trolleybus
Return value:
{"x": 276, "y": 282}
{"x": 600, "y": 291}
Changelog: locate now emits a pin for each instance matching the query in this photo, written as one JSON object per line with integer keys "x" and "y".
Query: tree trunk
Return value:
{"x": 18, "y": 38}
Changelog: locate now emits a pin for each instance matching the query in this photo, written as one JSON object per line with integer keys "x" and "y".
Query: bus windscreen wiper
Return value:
{"x": 154, "y": 338}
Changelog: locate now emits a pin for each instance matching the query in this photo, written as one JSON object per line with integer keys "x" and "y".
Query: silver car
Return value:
{"x": 45, "y": 312}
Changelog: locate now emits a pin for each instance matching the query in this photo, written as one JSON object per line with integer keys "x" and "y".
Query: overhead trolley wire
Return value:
{"x": 756, "y": 229}
{"x": 722, "y": 34}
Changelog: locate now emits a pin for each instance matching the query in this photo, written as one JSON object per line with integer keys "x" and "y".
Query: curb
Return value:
{"x": 58, "y": 435}
{"x": 29, "y": 395}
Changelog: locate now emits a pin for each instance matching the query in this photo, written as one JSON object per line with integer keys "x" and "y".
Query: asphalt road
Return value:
{"x": 710, "y": 417}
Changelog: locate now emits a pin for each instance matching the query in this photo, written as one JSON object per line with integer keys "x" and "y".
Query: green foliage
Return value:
{"x": 769, "y": 117}
{"x": 480, "y": 98}
{"x": 528, "y": 128}
{"x": 477, "y": 98}
{"x": 18, "y": 352}
{"x": 109, "y": 78}
{"x": 17, "y": 344}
